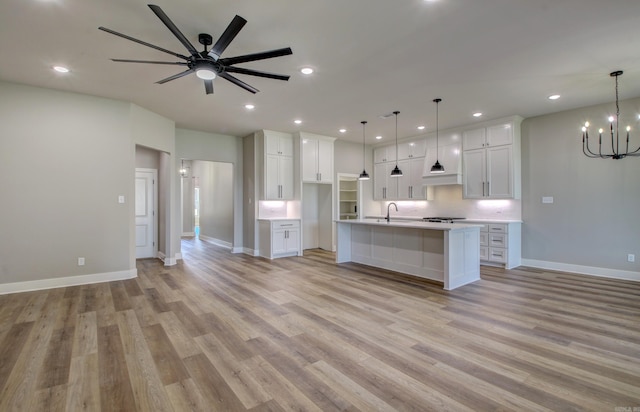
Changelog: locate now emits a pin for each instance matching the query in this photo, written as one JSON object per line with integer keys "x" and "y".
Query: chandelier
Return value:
{"x": 615, "y": 138}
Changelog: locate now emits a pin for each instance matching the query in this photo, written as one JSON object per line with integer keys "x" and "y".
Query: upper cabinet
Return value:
{"x": 276, "y": 143}
{"x": 491, "y": 161}
{"x": 411, "y": 150}
{"x": 317, "y": 158}
{"x": 277, "y": 165}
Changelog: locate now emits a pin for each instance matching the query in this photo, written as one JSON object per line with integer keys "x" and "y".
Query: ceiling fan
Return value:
{"x": 207, "y": 64}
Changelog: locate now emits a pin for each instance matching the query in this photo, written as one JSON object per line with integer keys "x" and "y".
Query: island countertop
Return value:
{"x": 410, "y": 224}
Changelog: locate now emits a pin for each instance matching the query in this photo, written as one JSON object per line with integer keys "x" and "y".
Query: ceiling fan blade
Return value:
{"x": 256, "y": 56}
{"x": 174, "y": 29}
{"x": 227, "y": 37}
{"x": 144, "y": 43}
{"x": 239, "y": 82}
{"x": 252, "y": 72}
{"x": 149, "y": 62}
{"x": 208, "y": 86}
{"x": 175, "y": 76}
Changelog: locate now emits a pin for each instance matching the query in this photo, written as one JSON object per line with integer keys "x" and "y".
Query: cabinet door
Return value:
{"x": 286, "y": 145}
{"x": 277, "y": 144}
{"x": 379, "y": 181}
{"x": 392, "y": 182}
{"x": 500, "y": 172}
{"x": 325, "y": 161}
{"x": 285, "y": 177}
{"x": 292, "y": 239}
{"x": 309, "y": 160}
{"x": 473, "y": 139}
{"x": 271, "y": 180}
{"x": 500, "y": 135}
{"x": 474, "y": 163}
{"x": 278, "y": 241}
{"x": 418, "y": 190}
{"x": 380, "y": 155}
{"x": 404, "y": 182}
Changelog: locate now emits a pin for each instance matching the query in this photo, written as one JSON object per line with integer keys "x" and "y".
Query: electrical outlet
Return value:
{"x": 631, "y": 257}
{"x": 80, "y": 261}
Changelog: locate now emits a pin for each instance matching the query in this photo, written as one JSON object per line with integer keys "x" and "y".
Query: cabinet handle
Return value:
{"x": 483, "y": 193}
{"x": 288, "y": 224}
{"x": 488, "y": 191}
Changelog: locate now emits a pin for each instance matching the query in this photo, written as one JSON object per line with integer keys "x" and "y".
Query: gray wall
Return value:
{"x": 64, "y": 160}
{"x": 196, "y": 145}
{"x": 216, "y": 199}
{"x": 594, "y": 218}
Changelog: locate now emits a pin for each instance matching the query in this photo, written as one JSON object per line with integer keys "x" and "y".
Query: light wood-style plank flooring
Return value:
{"x": 225, "y": 332}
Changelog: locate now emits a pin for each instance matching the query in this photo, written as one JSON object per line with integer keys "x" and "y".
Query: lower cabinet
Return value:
{"x": 280, "y": 238}
{"x": 500, "y": 243}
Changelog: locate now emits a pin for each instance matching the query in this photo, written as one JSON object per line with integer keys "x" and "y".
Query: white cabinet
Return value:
{"x": 279, "y": 144}
{"x": 278, "y": 177}
{"x": 317, "y": 159}
{"x": 385, "y": 187}
{"x": 491, "y": 162}
{"x": 279, "y": 238}
{"x": 277, "y": 166}
{"x": 410, "y": 186}
{"x": 410, "y": 150}
{"x": 384, "y": 154}
{"x": 500, "y": 244}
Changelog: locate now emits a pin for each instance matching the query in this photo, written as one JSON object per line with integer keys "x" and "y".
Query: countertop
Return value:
{"x": 472, "y": 220}
{"x": 273, "y": 219}
{"x": 409, "y": 224}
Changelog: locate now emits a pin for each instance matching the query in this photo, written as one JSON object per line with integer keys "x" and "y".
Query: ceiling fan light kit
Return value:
{"x": 207, "y": 64}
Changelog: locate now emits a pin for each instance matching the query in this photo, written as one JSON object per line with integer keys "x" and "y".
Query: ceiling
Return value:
{"x": 371, "y": 57}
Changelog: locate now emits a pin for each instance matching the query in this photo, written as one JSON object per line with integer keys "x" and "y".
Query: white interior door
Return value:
{"x": 145, "y": 206}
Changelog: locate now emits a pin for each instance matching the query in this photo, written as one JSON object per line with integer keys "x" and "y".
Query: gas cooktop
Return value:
{"x": 442, "y": 219}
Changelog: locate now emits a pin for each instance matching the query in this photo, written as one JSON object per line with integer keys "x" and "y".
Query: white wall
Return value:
{"x": 593, "y": 222}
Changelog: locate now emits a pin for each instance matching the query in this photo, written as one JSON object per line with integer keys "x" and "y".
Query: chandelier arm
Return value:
{"x": 590, "y": 154}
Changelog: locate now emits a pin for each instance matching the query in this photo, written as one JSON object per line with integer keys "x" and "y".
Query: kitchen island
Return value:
{"x": 444, "y": 252}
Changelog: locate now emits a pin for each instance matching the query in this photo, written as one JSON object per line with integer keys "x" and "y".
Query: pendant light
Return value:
{"x": 437, "y": 167}
{"x": 364, "y": 175}
{"x": 396, "y": 172}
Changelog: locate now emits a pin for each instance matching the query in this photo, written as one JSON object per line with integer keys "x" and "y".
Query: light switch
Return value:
{"x": 547, "y": 199}
{"x": 120, "y": 199}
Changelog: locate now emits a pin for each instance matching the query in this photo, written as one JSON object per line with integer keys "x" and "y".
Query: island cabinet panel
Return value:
{"x": 442, "y": 252}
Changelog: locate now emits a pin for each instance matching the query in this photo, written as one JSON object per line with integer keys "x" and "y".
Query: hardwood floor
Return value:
{"x": 224, "y": 332}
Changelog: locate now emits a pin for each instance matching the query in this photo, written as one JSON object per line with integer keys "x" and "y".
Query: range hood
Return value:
{"x": 449, "y": 156}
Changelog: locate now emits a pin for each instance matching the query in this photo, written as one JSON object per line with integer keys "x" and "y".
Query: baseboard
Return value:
{"x": 188, "y": 234}
{"x": 583, "y": 270}
{"x": 168, "y": 261}
{"x": 63, "y": 282}
{"x": 217, "y": 242}
{"x": 237, "y": 250}
{"x": 250, "y": 252}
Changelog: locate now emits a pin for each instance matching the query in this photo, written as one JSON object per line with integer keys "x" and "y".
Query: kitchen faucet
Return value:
{"x": 388, "y": 206}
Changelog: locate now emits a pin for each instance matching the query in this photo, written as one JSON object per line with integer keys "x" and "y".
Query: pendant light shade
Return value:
{"x": 396, "y": 172}
{"x": 364, "y": 175}
{"x": 437, "y": 167}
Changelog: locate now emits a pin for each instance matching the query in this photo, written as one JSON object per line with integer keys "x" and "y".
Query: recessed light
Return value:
{"x": 420, "y": 127}
{"x": 343, "y": 130}
{"x": 378, "y": 137}
{"x": 306, "y": 70}
{"x": 477, "y": 114}
{"x": 297, "y": 121}
{"x": 554, "y": 97}
{"x": 61, "y": 69}
{"x": 249, "y": 106}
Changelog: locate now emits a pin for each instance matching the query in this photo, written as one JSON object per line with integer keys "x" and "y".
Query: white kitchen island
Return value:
{"x": 444, "y": 252}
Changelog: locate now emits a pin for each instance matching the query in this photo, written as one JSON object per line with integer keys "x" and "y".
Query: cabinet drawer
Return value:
{"x": 497, "y": 254}
{"x": 497, "y": 228}
{"x": 484, "y": 227}
{"x": 484, "y": 239}
{"x": 285, "y": 224}
{"x": 498, "y": 240}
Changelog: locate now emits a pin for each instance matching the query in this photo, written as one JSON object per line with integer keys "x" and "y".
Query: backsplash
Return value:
{"x": 449, "y": 202}
{"x": 271, "y": 209}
